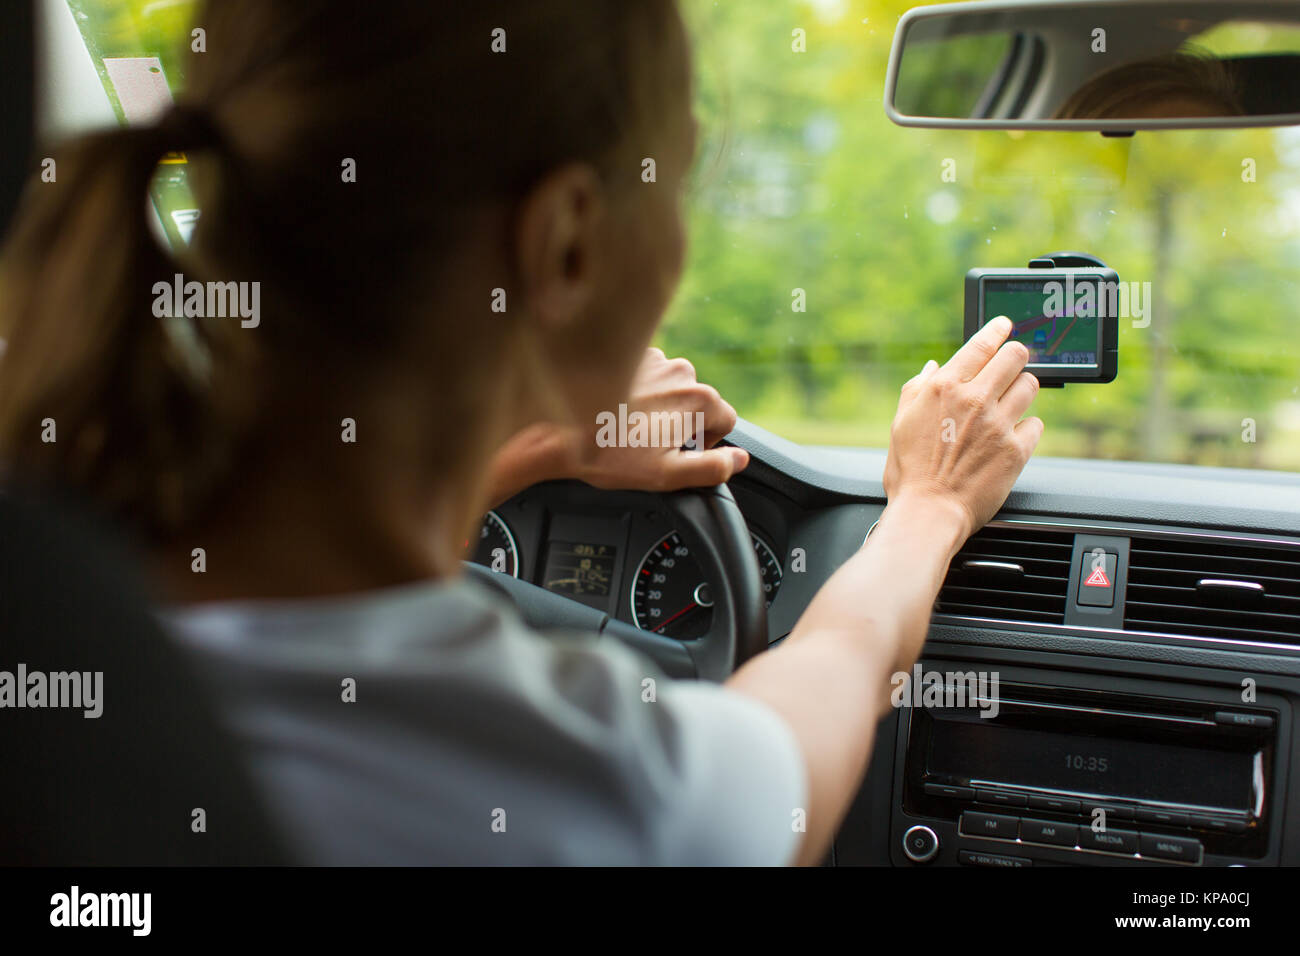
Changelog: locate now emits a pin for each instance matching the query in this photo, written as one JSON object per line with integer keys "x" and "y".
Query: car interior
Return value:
{"x": 1128, "y": 625}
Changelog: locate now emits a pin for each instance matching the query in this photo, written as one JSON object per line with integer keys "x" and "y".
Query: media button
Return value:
{"x": 989, "y": 825}
{"x": 1108, "y": 841}
{"x": 1171, "y": 848}
{"x": 1049, "y": 832}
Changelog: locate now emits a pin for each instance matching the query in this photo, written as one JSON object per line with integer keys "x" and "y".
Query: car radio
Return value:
{"x": 1076, "y": 776}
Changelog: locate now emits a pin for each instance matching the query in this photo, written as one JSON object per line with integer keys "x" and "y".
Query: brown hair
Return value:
{"x": 1118, "y": 92}
{"x": 152, "y": 413}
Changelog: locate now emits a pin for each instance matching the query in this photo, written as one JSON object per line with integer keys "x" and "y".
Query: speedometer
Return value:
{"x": 495, "y": 547}
{"x": 670, "y": 595}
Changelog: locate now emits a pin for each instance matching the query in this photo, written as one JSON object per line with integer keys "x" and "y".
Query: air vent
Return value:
{"x": 1009, "y": 574}
{"x": 1214, "y": 589}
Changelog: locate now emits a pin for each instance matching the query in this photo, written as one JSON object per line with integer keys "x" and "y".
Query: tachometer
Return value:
{"x": 670, "y": 595}
{"x": 495, "y": 547}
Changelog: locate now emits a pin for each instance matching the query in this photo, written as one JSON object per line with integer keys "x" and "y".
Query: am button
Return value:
{"x": 1049, "y": 832}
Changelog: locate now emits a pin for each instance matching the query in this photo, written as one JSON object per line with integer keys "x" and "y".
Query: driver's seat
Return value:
{"x": 124, "y": 788}
{"x": 121, "y": 788}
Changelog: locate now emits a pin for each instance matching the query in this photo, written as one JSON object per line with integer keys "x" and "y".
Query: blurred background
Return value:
{"x": 802, "y": 183}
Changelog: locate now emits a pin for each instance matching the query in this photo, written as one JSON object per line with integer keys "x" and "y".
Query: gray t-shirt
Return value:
{"x": 467, "y": 738}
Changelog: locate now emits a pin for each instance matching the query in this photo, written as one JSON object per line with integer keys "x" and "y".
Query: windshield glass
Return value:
{"x": 829, "y": 246}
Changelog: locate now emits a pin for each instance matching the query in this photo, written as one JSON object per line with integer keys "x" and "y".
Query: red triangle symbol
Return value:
{"x": 1097, "y": 579}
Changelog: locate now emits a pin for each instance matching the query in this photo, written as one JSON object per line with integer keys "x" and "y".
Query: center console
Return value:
{"x": 1050, "y": 769}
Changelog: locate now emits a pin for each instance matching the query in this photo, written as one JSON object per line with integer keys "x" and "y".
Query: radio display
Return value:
{"x": 980, "y": 751}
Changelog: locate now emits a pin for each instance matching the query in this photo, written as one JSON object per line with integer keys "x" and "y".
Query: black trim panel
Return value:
{"x": 1190, "y": 496}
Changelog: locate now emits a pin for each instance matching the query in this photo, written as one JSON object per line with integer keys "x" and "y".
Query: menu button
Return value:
{"x": 1171, "y": 848}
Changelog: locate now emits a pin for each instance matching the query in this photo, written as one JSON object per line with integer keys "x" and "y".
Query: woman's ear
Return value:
{"x": 557, "y": 244}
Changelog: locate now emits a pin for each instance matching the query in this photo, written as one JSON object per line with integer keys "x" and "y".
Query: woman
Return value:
{"x": 460, "y": 266}
{"x": 1182, "y": 84}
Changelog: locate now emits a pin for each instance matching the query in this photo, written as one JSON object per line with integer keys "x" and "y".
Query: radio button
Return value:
{"x": 1219, "y": 824}
{"x": 954, "y": 793}
{"x": 1000, "y": 798}
{"x": 1049, "y": 832}
{"x": 1171, "y": 848}
{"x": 1108, "y": 841}
{"x": 1056, "y": 804}
{"x": 1114, "y": 811}
{"x": 1258, "y": 721}
{"x": 979, "y": 858}
{"x": 1170, "y": 818}
{"x": 989, "y": 825}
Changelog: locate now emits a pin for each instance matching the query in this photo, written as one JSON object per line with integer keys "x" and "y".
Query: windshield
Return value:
{"x": 829, "y": 246}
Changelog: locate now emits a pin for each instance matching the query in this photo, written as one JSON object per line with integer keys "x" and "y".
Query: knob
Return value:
{"x": 920, "y": 844}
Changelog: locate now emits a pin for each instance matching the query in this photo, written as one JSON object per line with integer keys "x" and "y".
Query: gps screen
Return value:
{"x": 1055, "y": 321}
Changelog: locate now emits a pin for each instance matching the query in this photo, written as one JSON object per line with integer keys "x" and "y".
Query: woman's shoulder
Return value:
{"x": 441, "y": 690}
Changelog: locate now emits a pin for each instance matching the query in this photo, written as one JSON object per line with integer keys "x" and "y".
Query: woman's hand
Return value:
{"x": 958, "y": 440}
{"x": 661, "y": 385}
{"x": 664, "y": 385}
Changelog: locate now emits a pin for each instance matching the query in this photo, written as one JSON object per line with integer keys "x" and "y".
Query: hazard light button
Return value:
{"x": 1097, "y": 579}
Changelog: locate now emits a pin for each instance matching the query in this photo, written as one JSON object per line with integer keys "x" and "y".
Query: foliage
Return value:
{"x": 802, "y": 183}
{"x": 805, "y": 184}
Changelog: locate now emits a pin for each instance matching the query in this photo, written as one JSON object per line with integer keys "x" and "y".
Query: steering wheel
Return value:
{"x": 712, "y": 527}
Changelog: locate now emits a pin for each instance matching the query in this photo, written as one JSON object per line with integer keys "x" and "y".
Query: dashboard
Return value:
{"x": 1139, "y": 626}
{"x": 616, "y": 552}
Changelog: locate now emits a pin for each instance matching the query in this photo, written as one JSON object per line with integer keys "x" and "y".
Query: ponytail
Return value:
{"x": 97, "y": 396}
{"x": 148, "y": 417}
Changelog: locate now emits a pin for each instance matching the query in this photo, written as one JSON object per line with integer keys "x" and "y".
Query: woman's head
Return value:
{"x": 461, "y": 216}
{"x": 1183, "y": 85}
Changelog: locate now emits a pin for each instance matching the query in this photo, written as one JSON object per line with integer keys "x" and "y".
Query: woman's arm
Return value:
{"x": 538, "y": 453}
{"x": 956, "y": 448}
{"x": 830, "y": 677}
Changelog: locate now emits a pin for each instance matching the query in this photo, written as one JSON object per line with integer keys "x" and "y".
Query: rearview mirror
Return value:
{"x": 1112, "y": 65}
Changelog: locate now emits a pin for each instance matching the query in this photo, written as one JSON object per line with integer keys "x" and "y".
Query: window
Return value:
{"x": 804, "y": 186}
{"x": 829, "y": 246}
